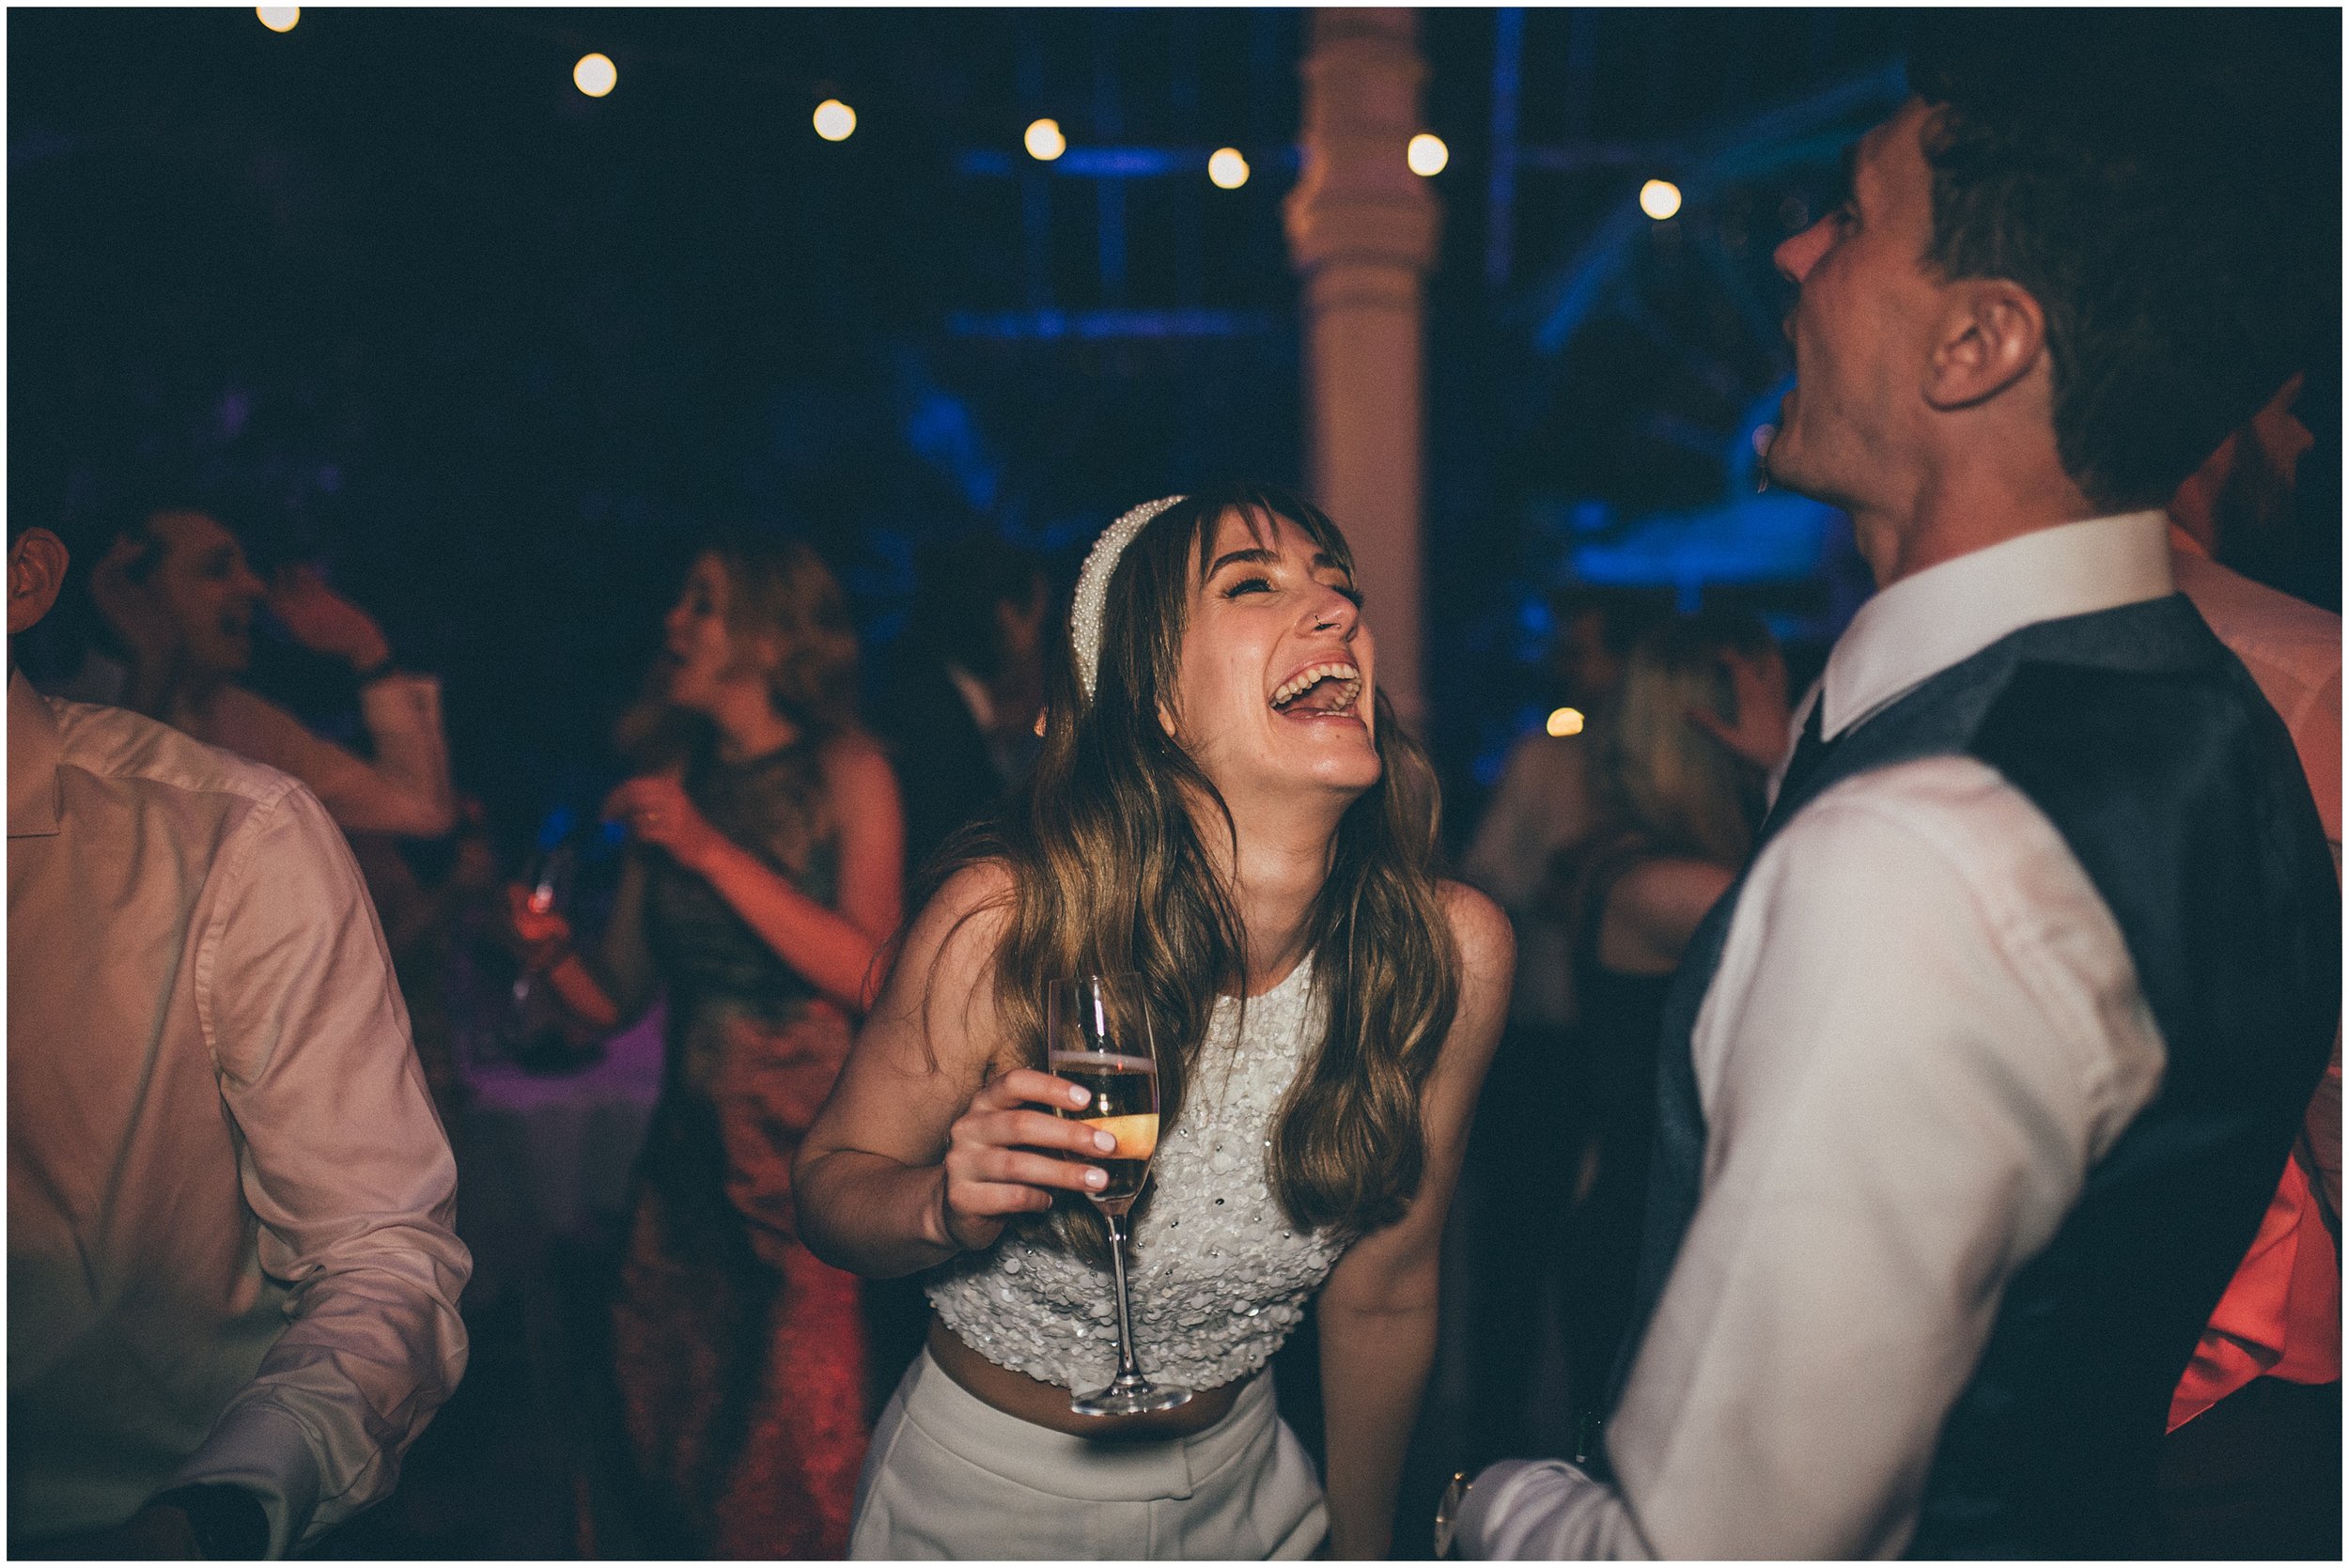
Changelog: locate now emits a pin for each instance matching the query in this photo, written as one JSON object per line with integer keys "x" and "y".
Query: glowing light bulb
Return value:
{"x": 1660, "y": 199}
{"x": 278, "y": 18}
{"x": 595, "y": 75}
{"x": 1565, "y": 722}
{"x": 1227, "y": 168}
{"x": 1043, "y": 140}
{"x": 1428, "y": 155}
{"x": 834, "y": 120}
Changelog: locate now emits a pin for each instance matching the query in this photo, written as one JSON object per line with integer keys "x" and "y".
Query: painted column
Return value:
{"x": 1361, "y": 230}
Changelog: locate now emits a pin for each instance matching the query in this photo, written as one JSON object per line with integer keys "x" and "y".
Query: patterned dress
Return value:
{"x": 740, "y": 1356}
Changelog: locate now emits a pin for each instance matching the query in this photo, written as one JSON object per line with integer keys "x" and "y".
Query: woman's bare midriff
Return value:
{"x": 1016, "y": 1393}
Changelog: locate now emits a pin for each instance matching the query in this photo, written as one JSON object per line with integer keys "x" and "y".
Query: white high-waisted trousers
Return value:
{"x": 950, "y": 1477}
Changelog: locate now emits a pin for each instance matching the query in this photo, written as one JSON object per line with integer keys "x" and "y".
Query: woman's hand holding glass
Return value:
{"x": 542, "y": 934}
{"x": 1009, "y": 1151}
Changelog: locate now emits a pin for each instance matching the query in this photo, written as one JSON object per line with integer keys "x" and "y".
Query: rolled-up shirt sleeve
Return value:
{"x": 1926, "y": 1029}
{"x": 345, "y": 1165}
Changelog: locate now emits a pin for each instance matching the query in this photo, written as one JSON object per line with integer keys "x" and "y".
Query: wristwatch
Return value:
{"x": 1448, "y": 1512}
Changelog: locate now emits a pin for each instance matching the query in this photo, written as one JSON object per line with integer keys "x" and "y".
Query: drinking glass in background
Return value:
{"x": 1097, "y": 1036}
{"x": 549, "y": 876}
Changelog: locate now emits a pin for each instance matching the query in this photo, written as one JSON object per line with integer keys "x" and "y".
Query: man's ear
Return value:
{"x": 1992, "y": 334}
{"x": 37, "y": 563}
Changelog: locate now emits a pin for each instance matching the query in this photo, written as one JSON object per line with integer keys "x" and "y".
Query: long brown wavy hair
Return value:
{"x": 1110, "y": 874}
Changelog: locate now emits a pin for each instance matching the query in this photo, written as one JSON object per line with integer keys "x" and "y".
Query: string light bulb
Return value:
{"x": 1428, "y": 155}
{"x": 1227, "y": 169}
{"x": 595, "y": 75}
{"x": 1565, "y": 722}
{"x": 1043, "y": 140}
{"x": 834, "y": 120}
{"x": 1660, "y": 199}
{"x": 278, "y": 18}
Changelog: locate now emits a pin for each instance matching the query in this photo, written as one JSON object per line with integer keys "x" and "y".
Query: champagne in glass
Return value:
{"x": 1098, "y": 1038}
{"x": 1125, "y": 1105}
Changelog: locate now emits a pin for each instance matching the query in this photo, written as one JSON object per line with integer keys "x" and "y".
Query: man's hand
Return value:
{"x": 324, "y": 622}
{"x": 1760, "y": 734}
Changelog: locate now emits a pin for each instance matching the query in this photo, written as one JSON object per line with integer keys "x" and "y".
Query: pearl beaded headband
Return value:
{"x": 1093, "y": 588}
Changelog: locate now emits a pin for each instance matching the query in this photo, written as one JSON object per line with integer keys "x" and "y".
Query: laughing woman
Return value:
{"x": 1225, "y": 808}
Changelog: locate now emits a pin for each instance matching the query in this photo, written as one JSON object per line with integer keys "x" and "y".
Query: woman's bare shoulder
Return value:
{"x": 1667, "y": 887}
{"x": 939, "y": 994}
{"x": 1489, "y": 957}
{"x": 1655, "y": 908}
{"x": 1488, "y": 944}
{"x": 853, "y": 758}
{"x": 970, "y": 909}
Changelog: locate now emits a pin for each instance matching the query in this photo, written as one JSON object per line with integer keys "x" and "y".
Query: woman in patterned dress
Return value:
{"x": 1225, "y": 808}
{"x": 761, "y": 885}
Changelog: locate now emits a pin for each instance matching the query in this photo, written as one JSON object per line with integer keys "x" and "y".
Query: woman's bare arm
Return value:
{"x": 837, "y": 950}
{"x": 598, "y": 997}
{"x": 1377, "y": 1312}
{"x": 927, "y": 1145}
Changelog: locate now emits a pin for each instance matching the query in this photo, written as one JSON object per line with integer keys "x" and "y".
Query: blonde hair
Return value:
{"x": 776, "y": 587}
{"x": 1674, "y": 783}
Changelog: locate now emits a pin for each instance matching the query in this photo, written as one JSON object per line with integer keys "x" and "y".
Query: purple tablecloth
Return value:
{"x": 548, "y": 1156}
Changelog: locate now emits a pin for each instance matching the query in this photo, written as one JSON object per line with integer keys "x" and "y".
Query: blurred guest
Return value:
{"x": 175, "y": 590}
{"x": 1975, "y": 1085}
{"x": 1532, "y": 1118}
{"x": 960, "y": 714}
{"x": 1545, "y": 803}
{"x": 2253, "y": 1464}
{"x": 764, "y": 879}
{"x": 1700, "y": 725}
{"x": 232, "y": 1282}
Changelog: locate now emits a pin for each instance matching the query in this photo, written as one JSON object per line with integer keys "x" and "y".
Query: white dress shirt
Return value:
{"x": 229, "y": 1200}
{"x": 1924, "y": 1031}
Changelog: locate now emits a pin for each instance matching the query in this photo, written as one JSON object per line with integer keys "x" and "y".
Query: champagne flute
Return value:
{"x": 1097, "y": 1036}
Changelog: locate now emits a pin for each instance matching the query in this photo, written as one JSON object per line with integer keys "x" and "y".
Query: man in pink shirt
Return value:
{"x": 2252, "y": 1467}
{"x": 232, "y": 1273}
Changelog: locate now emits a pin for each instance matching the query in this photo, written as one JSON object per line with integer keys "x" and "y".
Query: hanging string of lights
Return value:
{"x": 598, "y": 75}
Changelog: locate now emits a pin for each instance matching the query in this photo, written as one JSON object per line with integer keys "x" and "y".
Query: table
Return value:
{"x": 543, "y": 1157}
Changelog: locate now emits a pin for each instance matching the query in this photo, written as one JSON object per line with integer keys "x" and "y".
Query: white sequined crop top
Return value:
{"x": 1218, "y": 1274}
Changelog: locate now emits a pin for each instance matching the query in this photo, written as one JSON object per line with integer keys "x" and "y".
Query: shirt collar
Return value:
{"x": 2184, "y": 543}
{"x": 34, "y": 748}
{"x": 1922, "y": 625}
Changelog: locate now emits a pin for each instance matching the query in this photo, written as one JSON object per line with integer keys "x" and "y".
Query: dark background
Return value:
{"x": 403, "y": 301}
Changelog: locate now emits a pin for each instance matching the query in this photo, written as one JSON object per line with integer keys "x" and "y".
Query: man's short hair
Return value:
{"x": 2166, "y": 185}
